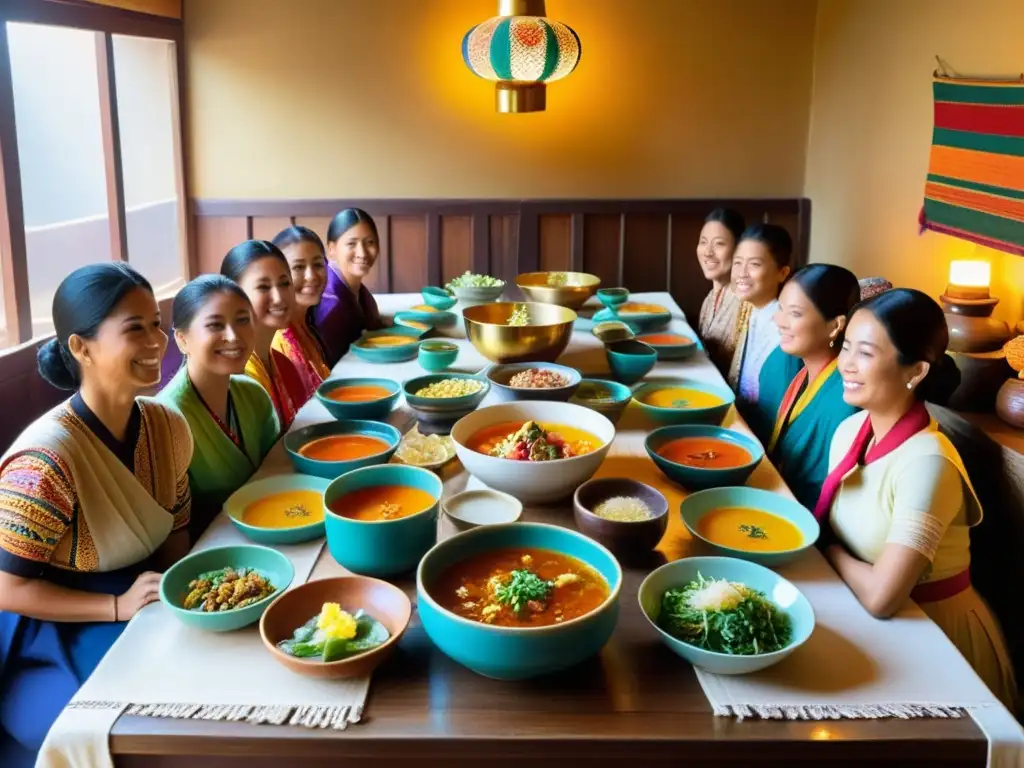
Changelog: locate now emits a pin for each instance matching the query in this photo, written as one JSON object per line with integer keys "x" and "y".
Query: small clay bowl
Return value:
{"x": 383, "y": 601}
{"x": 622, "y": 538}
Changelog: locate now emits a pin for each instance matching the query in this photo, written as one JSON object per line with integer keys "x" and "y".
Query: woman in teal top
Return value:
{"x": 801, "y": 393}
{"x": 232, "y": 418}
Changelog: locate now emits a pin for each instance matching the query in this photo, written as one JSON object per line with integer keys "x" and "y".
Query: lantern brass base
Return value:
{"x": 520, "y": 97}
{"x": 521, "y": 8}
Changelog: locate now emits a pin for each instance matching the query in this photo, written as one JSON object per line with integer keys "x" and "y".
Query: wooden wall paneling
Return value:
{"x": 179, "y": 123}
{"x": 318, "y": 224}
{"x": 481, "y": 256}
{"x": 790, "y": 221}
{"x": 215, "y": 236}
{"x": 687, "y": 286}
{"x": 434, "y": 255}
{"x": 266, "y": 227}
{"x": 456, "y": 246}
{"x": 529, "y": 239}
{"x": 110, "y": 131}
{"x": 379, "y": 279}
{"x": 409, "y": 254}
{"x": 25, "y": 394}
{"x": 576, "y": 242}
{"x": 645, "y": 252}
{"x": 555, "y": 246}
{"x": 504, "y": 247}
{"x": 602, "y": 247}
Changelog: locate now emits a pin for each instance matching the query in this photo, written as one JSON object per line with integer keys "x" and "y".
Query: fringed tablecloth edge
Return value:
{"x": 839, "y": 712}
{"x": 337, "y": 718}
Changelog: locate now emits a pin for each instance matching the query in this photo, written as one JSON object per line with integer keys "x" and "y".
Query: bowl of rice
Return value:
{"x": 440, "y": 399}
{"x": 626, "y": 516}
{"x": 534, "y": 381}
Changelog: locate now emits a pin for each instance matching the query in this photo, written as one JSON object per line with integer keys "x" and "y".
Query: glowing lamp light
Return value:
{"x": 970, "y": 274}
{"x": 521, "y": 51}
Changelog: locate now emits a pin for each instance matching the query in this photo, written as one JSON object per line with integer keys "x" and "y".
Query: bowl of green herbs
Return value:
{"x": 470, "y": 288}
{"x": 724, "y": 615}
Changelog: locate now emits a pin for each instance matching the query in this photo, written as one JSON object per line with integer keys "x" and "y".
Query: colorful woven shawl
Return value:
{"x": 975, "y": 186}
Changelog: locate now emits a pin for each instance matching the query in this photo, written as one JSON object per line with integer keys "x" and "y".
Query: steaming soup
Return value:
{"x": 705, "y": 453}
{"x": 343, "y": 448}
{"x": 288, "y": 509}
{"x": 749, "y": 530}
{"x": 681, "y": 397}
{"x": 381, "y": 503}
{"x": 362, "y": 393}
{"x": 520, "y": 587}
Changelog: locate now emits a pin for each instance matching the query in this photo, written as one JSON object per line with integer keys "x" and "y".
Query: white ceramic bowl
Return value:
{"x": 533, "y": 482}
{"x": 470, "y": 509}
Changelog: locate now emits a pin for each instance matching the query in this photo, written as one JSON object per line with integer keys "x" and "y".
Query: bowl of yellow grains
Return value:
{"x": 440, "y": 399}
{"x": 626, "y": 516}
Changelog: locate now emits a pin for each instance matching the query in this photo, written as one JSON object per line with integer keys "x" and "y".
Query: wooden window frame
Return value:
{"x": 104, "y": 21}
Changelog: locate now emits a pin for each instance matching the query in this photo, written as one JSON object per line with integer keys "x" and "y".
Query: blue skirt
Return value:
{"x": 43, "y": 664}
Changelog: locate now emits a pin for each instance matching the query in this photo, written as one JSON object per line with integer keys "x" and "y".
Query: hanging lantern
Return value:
{"x": 521, "y": 51}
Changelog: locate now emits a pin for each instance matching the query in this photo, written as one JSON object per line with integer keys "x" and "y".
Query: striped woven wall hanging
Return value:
{"x": 975, "y": 185}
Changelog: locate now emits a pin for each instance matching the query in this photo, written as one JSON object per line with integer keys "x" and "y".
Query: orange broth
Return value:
{"x": 638, "y": 308}
{"x": 381, "y": 503}
{"x": 484, "y": 440}
{"x": 362, "y": 393}
{"x": 705, "y": 453}
{"x": 467, "y": 588}
{"x": 343, "y": 448}
{"x": 664, "y": 339}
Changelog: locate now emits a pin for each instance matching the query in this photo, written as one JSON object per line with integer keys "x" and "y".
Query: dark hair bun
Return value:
{"x": 52, "y": 367}
{"x": 941, "y": 382}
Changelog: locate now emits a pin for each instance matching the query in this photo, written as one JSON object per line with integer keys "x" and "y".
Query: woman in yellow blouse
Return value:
{"x": 897, "y": 498}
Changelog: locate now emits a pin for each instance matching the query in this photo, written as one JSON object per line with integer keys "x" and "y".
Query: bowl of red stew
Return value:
{"x": 518, "y": 600}
{"x": 359, "y": 398}
{"x": 703, "y": 456}
{"x": 381, "y": 520}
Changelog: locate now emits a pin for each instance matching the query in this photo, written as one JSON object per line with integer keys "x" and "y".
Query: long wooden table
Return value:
{"x": 636, "y": 701}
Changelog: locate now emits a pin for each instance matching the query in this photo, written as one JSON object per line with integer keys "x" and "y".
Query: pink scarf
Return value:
{"x": 912, "y": 422}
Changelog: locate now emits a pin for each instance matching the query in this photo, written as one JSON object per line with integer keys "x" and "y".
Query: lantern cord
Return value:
{"x": 946, "y": 71}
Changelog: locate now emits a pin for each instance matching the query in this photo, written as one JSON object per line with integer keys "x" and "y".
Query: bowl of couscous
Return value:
{"x": 441, "y": 399}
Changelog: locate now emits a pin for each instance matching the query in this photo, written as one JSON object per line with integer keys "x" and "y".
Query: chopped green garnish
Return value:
{"x": 469, "y": 280}
{"x": 753, "y": 532}
{"x": 557, "y": 279}
{"x": 523, "y": 587}
{"x": 520, "y": 316}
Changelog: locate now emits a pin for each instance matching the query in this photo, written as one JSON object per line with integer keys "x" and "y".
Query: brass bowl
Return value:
{"x": 579, "y": 287}
{"x": 542, "y": 341}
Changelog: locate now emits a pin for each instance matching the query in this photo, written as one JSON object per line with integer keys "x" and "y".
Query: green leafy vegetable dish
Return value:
{"x": 725, "y": 617}
{"x": 520, "y": 316}
{"x": 469, "y": 280}
{"x": 334, "y": 634}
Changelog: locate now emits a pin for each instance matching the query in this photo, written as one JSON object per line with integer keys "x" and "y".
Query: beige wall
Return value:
{"x": 871, "y": 125}
{"x": 370, "y": 98}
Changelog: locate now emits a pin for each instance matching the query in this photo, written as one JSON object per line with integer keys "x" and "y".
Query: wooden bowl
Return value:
{"x": 384, "y": 602}
{"x": 622, "y": 538}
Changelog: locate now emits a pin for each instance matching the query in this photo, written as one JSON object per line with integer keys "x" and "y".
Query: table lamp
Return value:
{"x": 968, "y": 307}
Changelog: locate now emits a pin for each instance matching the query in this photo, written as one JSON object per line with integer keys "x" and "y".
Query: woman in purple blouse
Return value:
{"x": 347, "y": 307}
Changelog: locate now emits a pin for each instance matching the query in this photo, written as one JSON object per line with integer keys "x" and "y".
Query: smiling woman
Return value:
{"x": 718, "y": 238}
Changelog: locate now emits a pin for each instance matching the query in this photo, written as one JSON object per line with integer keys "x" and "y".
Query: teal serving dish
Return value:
{"x": 638, "y": 322}
{"x": 673, "y": 351}
{"x": 696, "y": 505}
{"x": 367, "y": 409}
{"x": 293, "y": 442}
{"x": 266, "y": 561}
{"x": 438, "y": 414}
{"x": 699, "y": 477}
{"x": 260, "y": 489}
{"x": 435, "y": 319}
{"x": 439, "y": 298}
{"x": 437, "y": 354}
{"x": 517, "y": 653}
{"x": 614, "y": 397}
{"x": 783, "y": 593}
{"x": 711, "y": 414}
{"x": 394, "y": 354}
{"x": 630, "y": 360}
{"x": 612, "y": 297}
{"x": 385, "y": 547}
{"x": 404, "y": 320}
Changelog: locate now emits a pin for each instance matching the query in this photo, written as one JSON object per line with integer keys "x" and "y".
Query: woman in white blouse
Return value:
{"x": 897, "y": 499}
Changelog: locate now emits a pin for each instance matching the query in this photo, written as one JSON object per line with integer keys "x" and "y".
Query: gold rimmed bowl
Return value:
{"x": 565, "y": 289}
{"x": 542, "y": 340}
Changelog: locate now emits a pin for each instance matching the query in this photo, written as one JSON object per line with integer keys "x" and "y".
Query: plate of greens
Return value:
{"x": 725, "y": 615}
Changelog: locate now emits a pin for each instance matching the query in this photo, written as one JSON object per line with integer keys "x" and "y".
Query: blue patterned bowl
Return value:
{"x": 386, "y": 547}
{"x": 698, "y": 477}
{"x": 684, "y": 414}
{"x": 438, "y": 298}
{"x": 391, "y": 354}
{"x": 294, "y": 441}
{"x": 516, "y": 653}
{"x": 268, "y": 486}
{"x": 368, "y": 409}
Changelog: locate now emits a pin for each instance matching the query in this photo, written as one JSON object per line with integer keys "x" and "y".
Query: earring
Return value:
{"x": 831, "y": 344}
{"x": 910, "y": 386}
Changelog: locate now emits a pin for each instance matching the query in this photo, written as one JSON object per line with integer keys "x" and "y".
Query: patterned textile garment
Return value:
{"x": 718, "y": 317}
{"x": 84, "y": 511}
{"x": 284, "y": 384}
{"x": 341, "y": 317}
{"x": 299, "y": 344}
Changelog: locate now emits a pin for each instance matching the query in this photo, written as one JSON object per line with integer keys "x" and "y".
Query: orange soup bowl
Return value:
{"x": 281, "y": 509}
{"x": 381, "y": 520}
{"x": 335, "y": 447}
{"x": 359, "y": 398}
{"x": 382, "y": 601}
{"x": 702, "y": 456}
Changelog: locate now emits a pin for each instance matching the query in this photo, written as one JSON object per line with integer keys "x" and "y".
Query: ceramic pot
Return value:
{"x": 1010, "y": 403}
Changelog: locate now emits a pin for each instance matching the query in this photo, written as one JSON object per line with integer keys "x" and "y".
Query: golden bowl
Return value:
{"x": 542, "y": 341}
{"x": 566, "y": 289}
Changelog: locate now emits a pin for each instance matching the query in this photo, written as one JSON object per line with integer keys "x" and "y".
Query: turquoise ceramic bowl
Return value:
{"x": 696, "y": 477}
{"x": 630, "y": 360}
{"x": 672, "y": 351}
{"x": 437, "y": 354}
{"x": 613, "y": 297}
{"x": 712, "y": 414}
{"x": 437, "y": 318}
{"x": 638, "y": 322}
{"x": 394, "y": 354}
{"x": 439, "y": 298}
{"x": 614, "y": 397}
{"x": 386, "y": 547}
{"x": 293, "y": 442}
{"x": 783, "y": 593}
{"x": 516, "y": 653}
{"x": 252, "y": 492}
{"x": 696, "y": 505}
{"x": 369, "y": 409}
{"x": 403, "y": 319}
{"x": 267, "y": 562}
